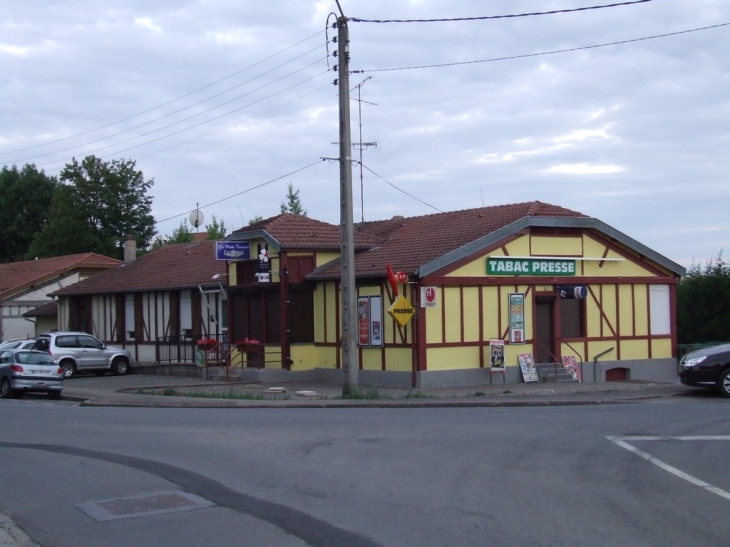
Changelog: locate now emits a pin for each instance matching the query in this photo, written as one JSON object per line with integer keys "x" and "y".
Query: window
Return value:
{"x": 659, "y": 317}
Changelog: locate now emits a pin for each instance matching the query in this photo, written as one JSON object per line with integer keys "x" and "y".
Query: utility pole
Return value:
{"x": 348, "y": 292}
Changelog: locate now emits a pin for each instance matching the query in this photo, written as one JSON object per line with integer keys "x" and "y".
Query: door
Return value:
{"x": 92, "y": 353}
{"x": 544, "y": 331}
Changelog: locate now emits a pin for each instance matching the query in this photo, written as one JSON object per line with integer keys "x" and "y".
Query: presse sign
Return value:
{"x": 498, "y": 265}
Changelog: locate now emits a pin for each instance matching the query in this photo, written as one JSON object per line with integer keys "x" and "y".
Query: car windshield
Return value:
{"x": 31, "y": 358}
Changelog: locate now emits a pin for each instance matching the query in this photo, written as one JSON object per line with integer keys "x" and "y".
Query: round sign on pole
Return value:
{"x": 402, "y": 277}
{"x": 196, "y": 218}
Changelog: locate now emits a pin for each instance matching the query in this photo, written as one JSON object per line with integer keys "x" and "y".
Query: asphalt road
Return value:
{"x": 624, "y": 474}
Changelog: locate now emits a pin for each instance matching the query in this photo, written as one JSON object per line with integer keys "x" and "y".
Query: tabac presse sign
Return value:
{"x": 505, "y": 265}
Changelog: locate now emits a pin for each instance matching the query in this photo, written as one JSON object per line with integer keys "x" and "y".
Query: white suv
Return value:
{"x": 79, "y": 352}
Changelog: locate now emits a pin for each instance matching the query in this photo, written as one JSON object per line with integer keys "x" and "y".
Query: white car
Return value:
{"x": 81, "y": 352}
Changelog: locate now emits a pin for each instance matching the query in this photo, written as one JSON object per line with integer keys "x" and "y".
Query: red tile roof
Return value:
{"x": 301, "y": 232}
{"x": 171, "y": 267}
{"x": 408, "y": 243}
{"x": 18, "y": 276}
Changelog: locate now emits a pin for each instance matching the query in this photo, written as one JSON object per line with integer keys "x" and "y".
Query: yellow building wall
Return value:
{"x": 372, "y": 359}
{"x": 324, "y": 258}
{"x": 452, "y": 301}
{"x": 452, "y": 358}
{"x": 471, "y": 314}
{"x": 661, "y": 347}
{"x": 434, "y": 319}
{"x": 552, "y": 246}
{"x": 490, "y": 303}
{"x": 626, "y": 318}
{"x": 399, "y": 359}
{"x": 641, "y": 310}
{"x": 634, "y": 349}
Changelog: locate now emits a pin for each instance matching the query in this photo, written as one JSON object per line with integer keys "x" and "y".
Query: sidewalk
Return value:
{"x": 175, "y": 392}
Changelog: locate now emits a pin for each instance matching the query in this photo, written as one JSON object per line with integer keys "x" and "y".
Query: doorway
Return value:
{"x": 544, "y": 330}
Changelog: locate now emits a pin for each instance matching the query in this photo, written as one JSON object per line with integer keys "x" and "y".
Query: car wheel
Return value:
{"x": 5, "y": 390}
{"x": 54, "y": 394}
{"x": 723, "y": 383}
{"x": 69, "y": 369}
{"x": 120, "y": 366}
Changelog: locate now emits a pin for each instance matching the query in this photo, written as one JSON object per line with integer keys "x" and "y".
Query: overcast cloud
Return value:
{"x": 636, "y": 135}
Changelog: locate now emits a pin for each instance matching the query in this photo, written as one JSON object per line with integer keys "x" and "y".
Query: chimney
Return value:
{"x": 130, "y": 249}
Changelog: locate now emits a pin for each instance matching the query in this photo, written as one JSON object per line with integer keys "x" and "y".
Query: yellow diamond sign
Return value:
{"x": 401, "y": 311}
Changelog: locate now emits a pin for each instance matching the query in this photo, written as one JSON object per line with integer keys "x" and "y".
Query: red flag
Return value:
{"x": 392, "y": 280}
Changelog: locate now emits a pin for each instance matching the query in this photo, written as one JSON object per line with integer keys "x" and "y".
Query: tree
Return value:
{"x": 216, "y": 230}
{"x": 703, "y": 303}
{"x": 293, "y": 204}
{"x": 181, "y": 234}
{"x": 254, "y": 220}
{"x": 95, "y": 207}
{"x": 25, "y": 197}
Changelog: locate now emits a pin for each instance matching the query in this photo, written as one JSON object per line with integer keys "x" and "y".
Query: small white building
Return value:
{"x": 25, "y": 286}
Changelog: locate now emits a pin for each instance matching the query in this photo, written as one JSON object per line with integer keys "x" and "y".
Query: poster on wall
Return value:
{"x": 517, "y": 318}
{"x": 527, "y": 365}
{"x": 370, "y": 321}
{"x": 496, "y": 354}
{"x": 428, "y": 297}
{"x": 264, "y": 270}
{"x": 376, "y": 321}
{"x": 571, "y": 366}
{"x": 363, "y": 321}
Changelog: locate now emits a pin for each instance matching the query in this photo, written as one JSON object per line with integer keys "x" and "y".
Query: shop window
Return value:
{"x": 299, "y": 267}
{"x": 246, "y": 272}
{"x": 659, "y": 315}
{"x": 301, "y": 317}
{"x": 571, "y": 318}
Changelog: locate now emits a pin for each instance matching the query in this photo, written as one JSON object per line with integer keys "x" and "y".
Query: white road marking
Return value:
{"x": 621, "y": 441}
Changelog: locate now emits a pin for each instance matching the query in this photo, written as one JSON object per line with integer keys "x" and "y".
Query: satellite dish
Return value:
{"x": 196, "y": 218}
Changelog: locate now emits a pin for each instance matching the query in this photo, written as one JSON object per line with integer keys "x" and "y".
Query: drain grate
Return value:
{"x": 149, "y": 504}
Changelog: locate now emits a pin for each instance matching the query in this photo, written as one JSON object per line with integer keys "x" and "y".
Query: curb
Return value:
{"x": 12, "y": 536}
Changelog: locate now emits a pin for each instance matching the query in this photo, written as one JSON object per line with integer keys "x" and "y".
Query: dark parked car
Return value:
{"x": 23, "y": 371}
{"x": 707, "y": 367}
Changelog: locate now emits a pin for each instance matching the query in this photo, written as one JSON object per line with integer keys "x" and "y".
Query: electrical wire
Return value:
{"x": 187, "y": 128}
{"x": 168, "y": 102}
{"x": 527, "y": 55}
{"x": 229, "y": 126}
{"x": 242, "y": 192}
{"x": 618, "y": 4}
{"x": 399, "y": 189}
{"x": 168, "y": 115}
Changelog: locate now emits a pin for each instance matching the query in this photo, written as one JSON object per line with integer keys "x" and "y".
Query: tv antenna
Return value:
{"x": 360, "y": 146}
{"x": 196, "y": 218}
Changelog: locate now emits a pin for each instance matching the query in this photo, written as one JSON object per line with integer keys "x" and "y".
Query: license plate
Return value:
{"x": 40, "y": 372}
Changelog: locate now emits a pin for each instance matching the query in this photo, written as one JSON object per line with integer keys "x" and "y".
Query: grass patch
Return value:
{"x": 369, "y": 393}
{"x": 480, "y": 394}
{"x": 417, "y": 395}
{"x": 231, "y": 394}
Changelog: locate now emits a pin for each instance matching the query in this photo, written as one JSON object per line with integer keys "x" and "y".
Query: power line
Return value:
{"x": 233, "y": 124}
{"x": 400, "y": 190}
{"x": 170, "y": 124}
{"x": 618, "y": 4}
{"x": 511, "y": 57}
{"x": 188, "y": 118}
{"x": 168, "y": 102}
{"x": 243, "y": 192}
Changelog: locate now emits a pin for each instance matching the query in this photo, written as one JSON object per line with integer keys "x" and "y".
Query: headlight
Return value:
{"x": 694, "y": 362}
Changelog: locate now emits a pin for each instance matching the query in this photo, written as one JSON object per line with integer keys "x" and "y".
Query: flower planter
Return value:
{"x": 206, "y": 347}
{"x": 248, "y": 348}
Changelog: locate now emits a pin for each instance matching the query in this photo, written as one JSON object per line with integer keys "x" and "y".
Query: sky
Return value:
{"x": 223, "y": 103}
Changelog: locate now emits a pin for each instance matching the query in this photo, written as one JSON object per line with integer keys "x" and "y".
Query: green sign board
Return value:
{"x": 504, "y": 265}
